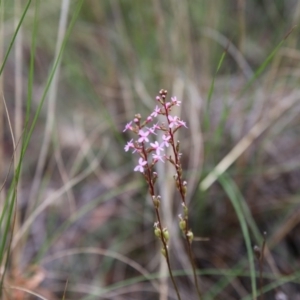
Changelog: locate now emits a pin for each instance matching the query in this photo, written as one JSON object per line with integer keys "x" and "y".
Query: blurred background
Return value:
{"x": 75, "y": 72}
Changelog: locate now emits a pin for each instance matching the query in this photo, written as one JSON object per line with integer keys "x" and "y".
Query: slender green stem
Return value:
{"x": 162, "y": 238}
{"x": 182, "y": 194}
{"x": 167, "y": 254}
{"x": 261, "y": 259}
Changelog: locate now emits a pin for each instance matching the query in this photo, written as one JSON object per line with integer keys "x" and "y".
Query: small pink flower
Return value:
{"x": 168, "y": 104}
{"x": 156, "y": 111}
{"x": 149, "y": 119}
{"x": 181, "y": 123}
{"x": 129, "y": 145}
{"x": 140, "y": 166}
{"x": 143, "y": 136}
{"x": 128, "y": 126}
{"x": 157, "y": 157}
{"x": 173, "y": 121}
{"x": 155, "y": 126}
{"x": 175, "y": 101}
{"x": 151, "y": 130}
{"x": 166, "y": 139}
{"x": 156, "y": 147}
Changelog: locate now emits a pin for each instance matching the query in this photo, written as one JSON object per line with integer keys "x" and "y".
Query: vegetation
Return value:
{"x": 76, "y": 221}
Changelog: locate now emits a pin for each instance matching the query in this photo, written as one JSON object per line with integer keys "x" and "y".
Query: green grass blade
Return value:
{"x": 51, "y": 75}
{"x": 11, "y": 197}
{"x": 14, "y": 36}
{"x": 231, "y": 192}
{"x": 264, "y": 64}
{"x": 211, "y": 90}
{"x": 31, "y": 63}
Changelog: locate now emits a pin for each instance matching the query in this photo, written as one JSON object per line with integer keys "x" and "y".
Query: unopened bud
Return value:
{"x": 156, "y": 201}
{"x": 182, "y": 225}
{"x": 137, "y": 118}
{"x": 184, "y": 189}
{"x": 157, "y": 232}
{"x": 166, "y": 234}
{"x": 190, "y": 236}
{"x": 177, "y": 146}
{"x": 163, "y": 252}
{"x": 170, "y": 159}
{"x": 179, "y": 170}
{"x": 185, "y": 210}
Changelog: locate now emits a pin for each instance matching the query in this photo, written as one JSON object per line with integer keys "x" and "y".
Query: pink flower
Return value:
{"x": 155, "y": 126}
{"x": 151, "y": 130}
{"x": 156, "y": 147}
{"x": 175, "y": 101}
{"x": 181, "y": 123}
{"x": 143, "y": 136}
{"x": 173, "y": 121}
{"x": 156, "y": 111}
{"x": 166, "y": 139}
{"x": 129, "y": 145}
{"x": 140, "y": 166}
{"x": 128, "y": 126}
{"x": 157, "y": 157}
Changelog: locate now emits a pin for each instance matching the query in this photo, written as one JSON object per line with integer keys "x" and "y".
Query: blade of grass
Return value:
{"x": 2, "y": 114}
{"x": 231, "y": 192}
{"x": 265, "y": 63}
{"x": 11, "y": 197}
{"x": 50, "y": 108}
{"x": 14, "y": 36}
{"x": 18, "y": 128}
{"x": 210, "y": 92}
{"x": 7, "y": 214}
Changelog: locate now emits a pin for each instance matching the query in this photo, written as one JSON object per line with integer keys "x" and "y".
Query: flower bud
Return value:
{"x": 157, "y": 232}
{"x": 185, "y": 210}
{"x": 170, "y": 159}
{"x": 166, "y": 234}
{"x": 184, "y": 189}
{"x": 177, "y": 146}
{"x": 137, "y": 119}
{"x": 179, "y": 170}
{"x": 163, "y": 252}
{"x": 190, "y": 236}
{"x": 156, "y": 201}
{"x": 182, "y": 225}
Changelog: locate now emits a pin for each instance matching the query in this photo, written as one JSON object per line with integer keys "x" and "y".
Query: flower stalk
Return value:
{"x": 144, "y": 147}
